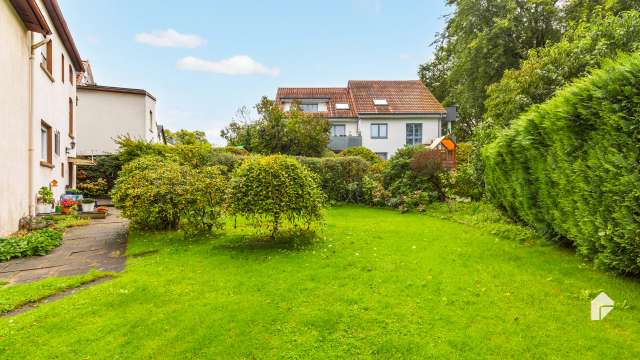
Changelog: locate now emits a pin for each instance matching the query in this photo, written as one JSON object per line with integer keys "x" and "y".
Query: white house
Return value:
{"x": 106, "y": 113}
{"x": 380, "y": 115}
{"x": 39, "y": 63}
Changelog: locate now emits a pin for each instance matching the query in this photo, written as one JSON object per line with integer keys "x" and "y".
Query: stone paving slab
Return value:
{"x": 100, "y": 245}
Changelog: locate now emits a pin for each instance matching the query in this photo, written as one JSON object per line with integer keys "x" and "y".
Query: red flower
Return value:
{"x": 67, "y": 202}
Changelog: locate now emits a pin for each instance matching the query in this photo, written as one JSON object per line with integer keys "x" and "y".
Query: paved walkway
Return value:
{"x": 100, "y": 245}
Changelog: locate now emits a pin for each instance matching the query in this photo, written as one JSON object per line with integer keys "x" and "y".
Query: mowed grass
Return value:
{"x": 377, "y": 284}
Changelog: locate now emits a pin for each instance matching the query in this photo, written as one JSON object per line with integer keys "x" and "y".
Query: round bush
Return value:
{"x": 362, "y": 152}
{"x": 275, "y": 189}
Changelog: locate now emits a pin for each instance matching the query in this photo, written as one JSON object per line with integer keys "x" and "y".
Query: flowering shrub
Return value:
{"x": 68, "y": 202}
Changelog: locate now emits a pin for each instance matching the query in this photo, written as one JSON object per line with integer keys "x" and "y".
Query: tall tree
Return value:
{"x": 186, "y": 137}
{"x": 481, "y": 40}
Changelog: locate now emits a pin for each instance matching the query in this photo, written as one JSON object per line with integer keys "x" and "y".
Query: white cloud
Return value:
{"x": 235, "y": 65}
{"x": 170, "y": 38}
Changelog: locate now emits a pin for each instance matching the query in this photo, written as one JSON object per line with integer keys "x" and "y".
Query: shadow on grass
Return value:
{"x": 286, "y": 240}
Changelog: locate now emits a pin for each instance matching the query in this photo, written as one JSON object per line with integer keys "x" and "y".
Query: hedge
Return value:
{"x": 340, "y": 177}
{"x": 570, "y": 167}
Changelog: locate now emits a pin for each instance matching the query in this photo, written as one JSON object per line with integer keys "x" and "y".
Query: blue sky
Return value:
{"x": 205, "y": 59}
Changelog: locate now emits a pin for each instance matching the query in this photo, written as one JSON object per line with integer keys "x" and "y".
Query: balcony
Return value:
{"x": 339, "y": 143}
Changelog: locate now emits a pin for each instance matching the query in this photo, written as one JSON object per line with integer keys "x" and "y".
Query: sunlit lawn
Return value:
{"x": 376, "y": 284}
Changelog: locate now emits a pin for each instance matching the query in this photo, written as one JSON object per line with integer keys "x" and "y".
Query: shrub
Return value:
{"x": 95, "y": 188}
{"x": 45, "y": 195}
{"x": 274, "y": 189}
{"x": 36, "y": 243}
{"x": 362, "y": 152}
{"x": 202, "y": 208}
{"x": 340, "y": 177}
{"x": 570, "y": 167}
{"x": 150, "y": 191}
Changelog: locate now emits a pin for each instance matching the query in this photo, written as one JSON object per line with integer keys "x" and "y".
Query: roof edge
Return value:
{"x": 116, "y": 90}
{"x": 28, "y": 11}
{"x": 63, "y": 30}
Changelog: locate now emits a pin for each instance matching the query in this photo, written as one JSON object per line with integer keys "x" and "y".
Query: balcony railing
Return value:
{"x": 339, "y": 143}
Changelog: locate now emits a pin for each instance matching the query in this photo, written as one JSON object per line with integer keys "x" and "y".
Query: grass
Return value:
{"x": 377, "y": 284}
{"x": 15, "y": 296}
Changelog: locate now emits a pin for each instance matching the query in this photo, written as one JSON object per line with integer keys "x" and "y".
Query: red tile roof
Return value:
{"x": 403, "y": 97}
{"x": 409, "y": 96}
{"x": 334, "y": 95}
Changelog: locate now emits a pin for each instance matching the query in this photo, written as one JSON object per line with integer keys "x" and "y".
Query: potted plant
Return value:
{"x": 66, "y": 205}
{"x": 88, "y": 204}
{"x": 45, "y": 199}
{"x": 73, "y": 192}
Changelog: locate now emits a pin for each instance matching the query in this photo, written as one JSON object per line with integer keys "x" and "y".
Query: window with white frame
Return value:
{"x": 56, "y": 142}
{"x": 414, "y": 134}
{"x": 46, "y": 156}
{"x": 338, "y": 130}
{"x": 309, "y": 107}
{"x": 378, "y": 131}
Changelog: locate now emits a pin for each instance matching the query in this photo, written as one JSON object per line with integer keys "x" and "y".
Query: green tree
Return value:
{"x": 275, "y": 189}
{"x": 185, "y": 137}
{"x": 277, "y": 132}
{"x": 481, "y": 40}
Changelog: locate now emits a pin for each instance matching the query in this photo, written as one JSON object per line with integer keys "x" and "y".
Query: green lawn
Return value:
{"x": 377, "y": 284}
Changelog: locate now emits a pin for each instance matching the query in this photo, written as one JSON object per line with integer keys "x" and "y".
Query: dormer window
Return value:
{"x": 342, "y": 106}
{"x": 380, "y": 102}
{"x": 309, "y": 107}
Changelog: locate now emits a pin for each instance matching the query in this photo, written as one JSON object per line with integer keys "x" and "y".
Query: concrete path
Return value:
{"x": 100, "y": 245}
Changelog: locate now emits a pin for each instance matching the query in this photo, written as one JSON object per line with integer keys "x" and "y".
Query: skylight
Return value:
{"x": 380, "y": 102}
{"x": 342, "y": 106}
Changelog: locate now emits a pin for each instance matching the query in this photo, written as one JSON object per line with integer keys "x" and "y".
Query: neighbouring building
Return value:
{"x": 380, "y": 115}
{"x": 107, "y": 112}
{"x": 39, "y": 66}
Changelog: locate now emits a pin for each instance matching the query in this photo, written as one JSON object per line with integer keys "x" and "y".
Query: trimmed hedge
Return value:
{"x": 340, "y": 177}
{"x": 570, "y": 167}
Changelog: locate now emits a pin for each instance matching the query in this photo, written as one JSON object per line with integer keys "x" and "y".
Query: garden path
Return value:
{"x": 100, "y": 245}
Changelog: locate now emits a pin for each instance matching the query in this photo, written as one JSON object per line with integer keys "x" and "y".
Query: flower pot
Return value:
{"x": 88, "y": 207}
{"x": 66, "y": 210}
{"x": 43, "y": 208}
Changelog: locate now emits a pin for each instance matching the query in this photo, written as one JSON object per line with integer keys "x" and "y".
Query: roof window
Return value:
{"x": 380, "y": 102}
{"x": 342, "y": 106}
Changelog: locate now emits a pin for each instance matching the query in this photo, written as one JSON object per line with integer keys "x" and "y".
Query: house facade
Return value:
{"x": 106, "y": 113}
{"x": 39, "y": 65}
{"x": 383, "y": 116}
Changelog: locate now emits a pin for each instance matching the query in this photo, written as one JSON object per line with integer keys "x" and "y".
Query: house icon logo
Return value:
{"x": 601, "y": 306}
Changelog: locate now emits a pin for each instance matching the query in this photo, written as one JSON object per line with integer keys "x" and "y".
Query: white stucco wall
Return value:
{"x": 104, "y": 116}
{"x": 397, "y": 132}
{"x": 51, "y": 104}
{"x": 14, "y": 119}
{"x": 351, "y": 125}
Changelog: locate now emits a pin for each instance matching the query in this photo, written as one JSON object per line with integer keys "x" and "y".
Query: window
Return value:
{"x": 338, "y": 130}
{"x": 380, "y": 102}
{"x": 378, "y": 131}
{"x": 47, "y": 58}
{"x": 382, "y": 155}
{"x": 342, "y": 106}
{"x": 56, "y": 142}
{"x": 150, "y": 121}
{"x": 62, "y": 67}
{"x": 414, "y": 134}
{"x": 62, "y": 169}
{"x": 45, "y": 144}
{"x": 70, "y": 117}
{"x": 70, "y": 75}
{"x": 309, "y": 107}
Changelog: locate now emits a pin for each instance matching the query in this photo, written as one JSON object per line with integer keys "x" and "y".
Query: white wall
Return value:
{"x": 104, "y": 116}
{"x": 351, "y": 126}
{"x": 14, "y": 119}
{"x": 51, "y": 104}
{"x": 397, "y": 132}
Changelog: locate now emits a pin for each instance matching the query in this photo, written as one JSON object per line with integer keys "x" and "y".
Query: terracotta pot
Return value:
{"x": 65, "y": 210}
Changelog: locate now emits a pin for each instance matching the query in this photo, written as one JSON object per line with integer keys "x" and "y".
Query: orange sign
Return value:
{"x": 54, "y": 183}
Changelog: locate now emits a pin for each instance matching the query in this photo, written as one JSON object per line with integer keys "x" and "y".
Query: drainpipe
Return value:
{"x": 30, "y": 133}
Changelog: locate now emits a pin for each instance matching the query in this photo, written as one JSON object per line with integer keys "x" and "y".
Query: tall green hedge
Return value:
{"x": 340, "y": 177}
{"x": 570, "y": 167}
